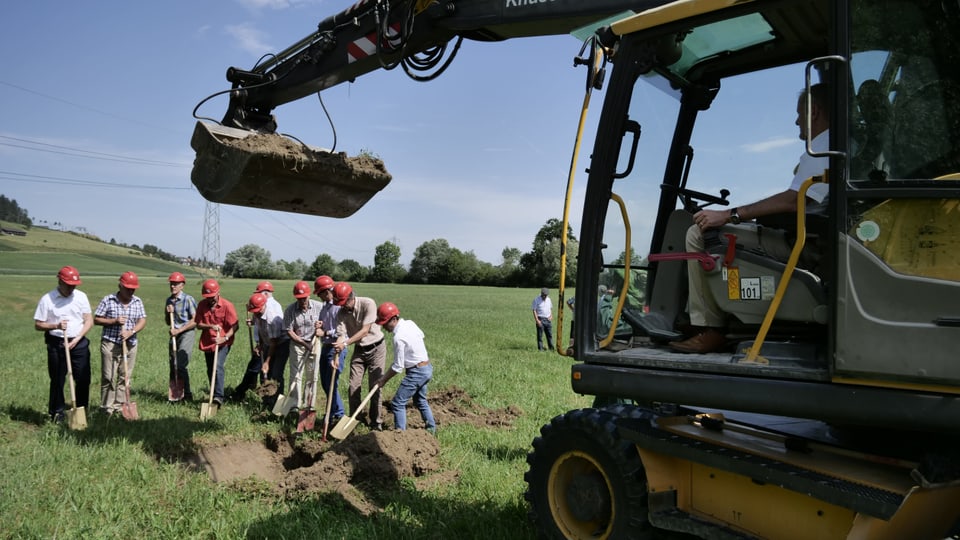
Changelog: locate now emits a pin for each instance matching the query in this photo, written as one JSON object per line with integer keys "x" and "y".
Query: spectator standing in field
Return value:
{"x": 217, "y": 320}
{"x": 121, "y": 315}
{"x": 543, "y": 316}
{"x": 331, "y": 362}
{"x": 184, "y": 309}
{"x": 410, "y": 356}
{"x": 357, "y": 325}
{"x": 65, "y": 311}
{"x": 300, "y": 320}
{"x": 269, "y": 358}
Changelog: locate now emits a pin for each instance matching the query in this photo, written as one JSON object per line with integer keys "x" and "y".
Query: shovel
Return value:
{"x": 76, "y": 416}
{"x": 208, "y": 410}
{"x": 346, "y": 424}
{"x": 175, "y": 393}
{"x": 308, "y": 416}
{"x": 129, "y": 408}
{"x": 326, "y": 416}
{"x": 285, "y": 403}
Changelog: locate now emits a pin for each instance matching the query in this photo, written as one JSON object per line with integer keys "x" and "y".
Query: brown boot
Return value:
{"x": 707, "y": 341}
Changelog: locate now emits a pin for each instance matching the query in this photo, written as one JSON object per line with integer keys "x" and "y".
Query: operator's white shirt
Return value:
{"x": 814, "y": 166}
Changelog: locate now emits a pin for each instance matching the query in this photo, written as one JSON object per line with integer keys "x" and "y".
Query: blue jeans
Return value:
{"x": 414, "y": 384}
{"x": 221, "y": 370}
{"x": 326, "y": 371}
{"x": 545, "y": 328}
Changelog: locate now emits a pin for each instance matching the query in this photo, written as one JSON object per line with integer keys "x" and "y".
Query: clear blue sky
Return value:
{"x": 102, "y": 92}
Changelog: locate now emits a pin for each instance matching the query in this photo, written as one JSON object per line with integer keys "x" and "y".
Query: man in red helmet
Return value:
{"x": 356, "y": 324}
{"x": 331, "y": 361}
{"x": 65, "y": 311}
{"x": 121, "y": 315}
{"x": 410, "y": 357}
{"x": 269, "y": 358}
{"x": 217, "y": 320}
{"x": 182, "y": 308}
{"x": 301, "y": 320}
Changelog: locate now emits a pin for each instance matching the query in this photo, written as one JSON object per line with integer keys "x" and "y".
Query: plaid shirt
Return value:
{"x": 184, "y": 309}
{"x": 111, "y": 308}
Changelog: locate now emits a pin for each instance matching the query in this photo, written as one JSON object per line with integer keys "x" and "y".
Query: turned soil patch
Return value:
{"x": 365, "y": 462}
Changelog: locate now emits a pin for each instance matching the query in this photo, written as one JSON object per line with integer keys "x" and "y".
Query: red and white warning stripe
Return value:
{"x": 367, "y": 45}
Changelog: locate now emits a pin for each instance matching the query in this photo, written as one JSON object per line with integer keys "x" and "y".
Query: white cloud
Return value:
{"x": 249, "y": 38}
{"x": 766, "y": 146}
{"x": 261, "y": 4}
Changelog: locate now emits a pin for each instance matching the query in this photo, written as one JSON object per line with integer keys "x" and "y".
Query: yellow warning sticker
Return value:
{"x": 733, "y": 283}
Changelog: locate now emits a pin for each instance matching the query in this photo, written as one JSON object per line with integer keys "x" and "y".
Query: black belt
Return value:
{"x": 364, "y": 348}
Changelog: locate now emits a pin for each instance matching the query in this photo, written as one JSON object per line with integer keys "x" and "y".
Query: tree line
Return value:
{"x": 11, "y": 211}
{"x": 433, "y": 262}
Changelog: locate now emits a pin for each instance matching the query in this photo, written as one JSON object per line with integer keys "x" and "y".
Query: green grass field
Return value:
{"x": 125, "y": 479}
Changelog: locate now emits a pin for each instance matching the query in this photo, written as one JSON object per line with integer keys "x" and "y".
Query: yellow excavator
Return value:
{"x": 831, "y": 409}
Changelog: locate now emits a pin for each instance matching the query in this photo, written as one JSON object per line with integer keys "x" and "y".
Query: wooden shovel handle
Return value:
{"x": 73, "y": 391}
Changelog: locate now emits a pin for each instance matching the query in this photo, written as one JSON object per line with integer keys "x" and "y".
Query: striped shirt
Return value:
{"x": 300, "y": 321}
{"x": 111, "y": 307}
{"x": 184, "y": 308}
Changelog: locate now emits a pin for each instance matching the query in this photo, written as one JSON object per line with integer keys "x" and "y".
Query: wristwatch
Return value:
{"x": 734, "y": 216}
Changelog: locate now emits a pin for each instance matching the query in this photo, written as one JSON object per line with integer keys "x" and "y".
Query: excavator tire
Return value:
{"x": 584, "y": 481}
{"x": 267, "y": 170}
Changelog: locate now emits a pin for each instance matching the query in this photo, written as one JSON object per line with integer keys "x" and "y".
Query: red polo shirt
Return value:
{"x": 222, "y": 313}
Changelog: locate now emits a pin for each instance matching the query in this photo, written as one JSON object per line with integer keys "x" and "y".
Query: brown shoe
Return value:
{"x": 708, "y": 341}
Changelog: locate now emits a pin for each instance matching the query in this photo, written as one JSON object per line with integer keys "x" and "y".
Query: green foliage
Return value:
{"x": 323, "y": 265}
{"x": 131, "y": 479}
{"x": 541, "y": 266}
{"x": 11, "y": 211}
{"x": 351, "y": 270}
{"x": 386, "y": 264}
{"x": 249, "y": 261}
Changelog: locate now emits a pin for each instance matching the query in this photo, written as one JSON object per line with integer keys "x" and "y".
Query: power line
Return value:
{"x": 40, "y": 179}
{"x": 79, "y": 106}
{"x": 81, "y": 153}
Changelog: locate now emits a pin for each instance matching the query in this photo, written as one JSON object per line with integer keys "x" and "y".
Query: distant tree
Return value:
{"x": 323, "y": 265}
{"x": 459, "y": 268}
{"x": 427, "y": 265}
{"x": 508, "y": 273}
{"x": 541, "y": 266}
{"x": 290, "y": 269}
{"x": 11, "y": 211}
{"x": 386, "y": 264}
{"x": 351, "y": 270}
{"x": 249, "y": 261}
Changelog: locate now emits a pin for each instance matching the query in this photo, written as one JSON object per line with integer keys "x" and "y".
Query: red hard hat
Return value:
{"x": 257, "y": 302}
{"x": 69, "y": 275}
{"x": 177, "y": 277}
{"x": 301, "y": 289}
{"x": 264, "y": 286}
{"x": 210, "y": 288}
{"x": 341, "y": 292}
{"x": 129, "y": 280}
{"x": 387, "y": 311}
{"x": 322, "y": 283}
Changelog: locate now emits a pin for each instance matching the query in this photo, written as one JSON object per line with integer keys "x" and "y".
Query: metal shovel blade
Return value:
{"x": 175, "y": 392}
{"x": 344, "y": 427}
{"x": 129, "y": 410}
{"x": 283, "y": 405}
{"x": 307, "y": 420}
{"x": 264, "y": 170}
{"x": 346, "y": 424}
{"x": 208, "y": 410}
{"x": 76, "y": 418}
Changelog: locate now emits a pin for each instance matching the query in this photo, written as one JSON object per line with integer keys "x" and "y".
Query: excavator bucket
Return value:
{"x": 270, "y": 171}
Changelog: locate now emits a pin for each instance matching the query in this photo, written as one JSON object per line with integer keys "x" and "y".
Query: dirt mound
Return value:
{"x": 299, "y": 465}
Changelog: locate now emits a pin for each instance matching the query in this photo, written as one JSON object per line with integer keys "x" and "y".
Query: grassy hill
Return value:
{"x": 44, "y": 251}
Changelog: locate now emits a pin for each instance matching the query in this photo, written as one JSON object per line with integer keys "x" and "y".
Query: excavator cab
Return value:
{"x": 833, "y": 405}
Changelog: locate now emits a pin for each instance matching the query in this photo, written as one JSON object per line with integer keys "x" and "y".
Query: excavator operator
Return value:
{"x": 706, "y": 317}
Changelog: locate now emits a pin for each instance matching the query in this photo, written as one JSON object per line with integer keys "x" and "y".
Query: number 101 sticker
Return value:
{"x": 757, "y": 288}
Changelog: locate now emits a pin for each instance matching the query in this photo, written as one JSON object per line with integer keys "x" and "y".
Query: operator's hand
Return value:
{"x": 249, "y": 321}
{"x": 339, "y": 346}
{"x": 169, "y": 308}
{"x": 711, "y": 219}
{"x": 121, "y": 320}
{"x": 265, "y": 367}
{"x": 63, "y": 324}
{"x": 318, "y": 326}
